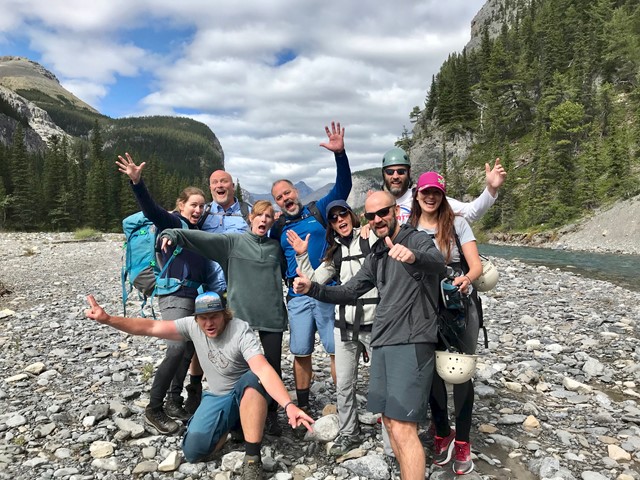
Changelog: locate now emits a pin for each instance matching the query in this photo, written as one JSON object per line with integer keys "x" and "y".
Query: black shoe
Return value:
{"x": 176, "y": 411}
{"x": 252, "y": 468}
{"x": 343, "y": 444}
{"x": 271, "y": 426}
{"x": 194, "y": 395}
{"x": 157, "y": 418}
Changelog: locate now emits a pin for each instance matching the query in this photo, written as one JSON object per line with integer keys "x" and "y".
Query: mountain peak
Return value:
{"x": 19, "y": 73}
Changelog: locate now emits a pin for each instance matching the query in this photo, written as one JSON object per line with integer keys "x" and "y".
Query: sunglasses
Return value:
{"x": 333, "y": 217}
{"x": 399, "y": 171}
{"x": 383, "y": 212}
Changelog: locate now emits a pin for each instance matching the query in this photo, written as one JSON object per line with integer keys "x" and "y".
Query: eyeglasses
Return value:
{"x": 399, "y": 171}
{"x": 333, "y": 217}
{"x": 383, "y": 212}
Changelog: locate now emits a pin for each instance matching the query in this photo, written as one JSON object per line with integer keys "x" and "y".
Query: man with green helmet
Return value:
{"x": 239, "y": 377}
{"x": 396, "y": 175}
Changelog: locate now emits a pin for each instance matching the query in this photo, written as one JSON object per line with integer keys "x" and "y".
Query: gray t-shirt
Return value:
{"x": 224, "y": 358}
{"x": 465, "y": 234}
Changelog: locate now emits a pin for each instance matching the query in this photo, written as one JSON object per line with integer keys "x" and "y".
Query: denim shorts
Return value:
{"x": 216, "y": 415}
{"x": 400, "y": 381}
{"x": 306, "y": 316}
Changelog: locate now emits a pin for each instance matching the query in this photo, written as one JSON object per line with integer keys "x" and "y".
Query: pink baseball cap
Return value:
{"x": 432, "y": 180}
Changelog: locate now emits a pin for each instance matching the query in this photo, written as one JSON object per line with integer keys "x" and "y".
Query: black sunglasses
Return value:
{"x": 333, "y": 217}
{"x": 399, "y": 171}
{"x": 383, "y": 212}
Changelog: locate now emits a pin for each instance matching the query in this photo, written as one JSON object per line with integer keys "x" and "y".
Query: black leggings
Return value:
{"x": 463, "y": 396}
{"x": 272, "y": 346}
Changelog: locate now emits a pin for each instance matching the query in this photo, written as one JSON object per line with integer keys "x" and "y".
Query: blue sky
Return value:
{"x": 264, "y": 76}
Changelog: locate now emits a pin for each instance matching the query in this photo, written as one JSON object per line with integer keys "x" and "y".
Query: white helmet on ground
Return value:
{"x": 489, "y": 278}
{"x": 455, "y": 367}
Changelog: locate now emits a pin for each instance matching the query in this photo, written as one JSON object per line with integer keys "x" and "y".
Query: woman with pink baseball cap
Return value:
{"x": 454, "y": 238}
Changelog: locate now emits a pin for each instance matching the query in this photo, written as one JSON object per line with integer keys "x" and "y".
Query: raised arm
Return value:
{"x": 212, "y": 246}
{"x": 134, "y": 326}
{"x": 342, "y": 187}
{"x": 474, "y": 210}
{"x": 160, "y": 217}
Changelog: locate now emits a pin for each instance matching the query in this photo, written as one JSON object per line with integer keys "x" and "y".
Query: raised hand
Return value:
{"x": 336, "y": 138}
{"x": 300, "y": 246}
{"x": 494, "y": 176}
{"x": 301, "y": 284}
{"x": 128, "y": 166}
{"x": 399, "y": 252}
{"x": 95, "y": 311}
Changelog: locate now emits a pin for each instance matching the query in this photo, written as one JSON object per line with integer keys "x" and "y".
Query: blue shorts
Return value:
{"x": 216, "y": 415}
{"x": 306, "y": 316}
{"x": 400, "y": 381}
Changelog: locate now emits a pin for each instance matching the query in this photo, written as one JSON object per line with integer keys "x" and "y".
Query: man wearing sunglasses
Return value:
{"x": 396, "y": 175}
{"x": 404, "y": 332}
{"x": 307, "y": 315}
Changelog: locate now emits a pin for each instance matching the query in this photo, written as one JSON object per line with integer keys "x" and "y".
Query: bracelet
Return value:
{"x": 468, "y": 279}
{"x": 285, "y": 407}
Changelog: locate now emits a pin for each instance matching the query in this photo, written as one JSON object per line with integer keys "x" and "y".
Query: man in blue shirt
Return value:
{"x": 307, "y": 315}
{"x": 225, "y": 214}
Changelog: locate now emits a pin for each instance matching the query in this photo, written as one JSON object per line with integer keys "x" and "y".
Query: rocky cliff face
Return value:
{"x": 492, "y": 15}
{"x": 41, "y": 126}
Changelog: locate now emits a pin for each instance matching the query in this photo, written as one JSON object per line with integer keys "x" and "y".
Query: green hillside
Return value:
{"x": 556, "y": 95}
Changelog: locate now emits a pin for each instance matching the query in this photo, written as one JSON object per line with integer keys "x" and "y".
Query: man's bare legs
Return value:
{"x": 407, "y": 447}
{"x": 253, "y": 413}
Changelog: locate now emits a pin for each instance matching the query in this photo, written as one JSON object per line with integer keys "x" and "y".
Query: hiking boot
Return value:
{"x": 443, "y": 448}
{"x": 252, "y": 468}
{"x": 344, "y": 444}
{"x": 157, "y": 418}
{"x": 194, "y": 395}
{"x": 463, "y": 463}
{"x": 271, "y": 425}
{"x": 175, "y": 410}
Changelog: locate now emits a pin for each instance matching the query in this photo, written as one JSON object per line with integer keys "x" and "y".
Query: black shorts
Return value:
{"x": 400, "y": 381}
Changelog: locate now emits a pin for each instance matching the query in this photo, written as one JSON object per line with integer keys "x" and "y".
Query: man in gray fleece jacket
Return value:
{"x": 402, "y": 264}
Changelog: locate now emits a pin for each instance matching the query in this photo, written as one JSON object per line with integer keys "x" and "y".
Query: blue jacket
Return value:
{"x": 187, "y": 265}
{"x": 309, "y": 225}
{"x": 220, "y": 220}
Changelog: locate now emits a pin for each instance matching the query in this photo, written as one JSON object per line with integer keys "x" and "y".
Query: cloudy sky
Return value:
{"x": 265, "y": 75}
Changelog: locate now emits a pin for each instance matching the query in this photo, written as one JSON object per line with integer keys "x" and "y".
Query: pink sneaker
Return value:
{"x": 463, "y": 463}
{"x": 443, "y": 448}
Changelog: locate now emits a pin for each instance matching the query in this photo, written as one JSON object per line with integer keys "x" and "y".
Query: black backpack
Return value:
{"x": 365, "y": 248}
{"x": 278, "y": 226}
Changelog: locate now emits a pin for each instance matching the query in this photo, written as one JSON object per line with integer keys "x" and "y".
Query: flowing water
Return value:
{"x": 622, "y": 270}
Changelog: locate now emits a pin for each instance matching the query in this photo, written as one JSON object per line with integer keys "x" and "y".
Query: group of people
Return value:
{"x": 362, "y": 289}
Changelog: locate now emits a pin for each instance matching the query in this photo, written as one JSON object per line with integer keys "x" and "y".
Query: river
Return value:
{"x": 622, "y": 270}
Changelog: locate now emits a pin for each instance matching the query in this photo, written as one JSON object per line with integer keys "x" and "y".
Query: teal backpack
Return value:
{"x": 142, "y": 268}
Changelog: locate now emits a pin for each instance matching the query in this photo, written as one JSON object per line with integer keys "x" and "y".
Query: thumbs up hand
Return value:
{"x": 399, "y": 252}
{"x": 301, "y": 284}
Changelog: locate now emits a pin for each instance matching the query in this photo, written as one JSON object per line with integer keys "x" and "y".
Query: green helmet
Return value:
{"x": 395, "y": 156}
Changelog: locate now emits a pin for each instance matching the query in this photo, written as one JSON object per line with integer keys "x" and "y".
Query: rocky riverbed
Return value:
{"x": 557, "y": 392}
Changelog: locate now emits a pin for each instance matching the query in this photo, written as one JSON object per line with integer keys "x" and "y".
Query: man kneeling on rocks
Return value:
{"x": 239, "y": 377}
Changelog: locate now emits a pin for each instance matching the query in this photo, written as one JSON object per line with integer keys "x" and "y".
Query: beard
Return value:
{"x": 395, "y": 189}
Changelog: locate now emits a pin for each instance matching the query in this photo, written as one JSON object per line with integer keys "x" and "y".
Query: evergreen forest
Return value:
{"x": 556, "y": 95}
{"x": 75, "y": 183}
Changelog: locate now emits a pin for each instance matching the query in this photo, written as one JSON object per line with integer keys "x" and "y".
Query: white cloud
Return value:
{"x": 363, "y": 63}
